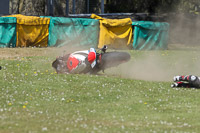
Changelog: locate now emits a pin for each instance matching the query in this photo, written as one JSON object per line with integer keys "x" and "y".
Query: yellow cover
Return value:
{"x": 114, "y": 32}
{"x": 31, "y": 31}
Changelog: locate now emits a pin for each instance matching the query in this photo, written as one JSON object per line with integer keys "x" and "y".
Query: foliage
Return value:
{"x": 153, "y": 6}
{"x": 39, "y": 7}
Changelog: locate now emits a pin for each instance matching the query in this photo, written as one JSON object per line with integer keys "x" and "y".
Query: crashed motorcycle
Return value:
{"x": 81, "y": 61}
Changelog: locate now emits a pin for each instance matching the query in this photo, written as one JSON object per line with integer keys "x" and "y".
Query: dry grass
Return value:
{"x": 26, "y": 52}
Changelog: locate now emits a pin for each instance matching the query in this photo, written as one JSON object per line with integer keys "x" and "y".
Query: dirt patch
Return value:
{"x": 24, "y": 52}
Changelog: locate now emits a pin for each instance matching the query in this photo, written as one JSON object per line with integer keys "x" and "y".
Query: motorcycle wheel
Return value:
{"x": 113, "y": 59}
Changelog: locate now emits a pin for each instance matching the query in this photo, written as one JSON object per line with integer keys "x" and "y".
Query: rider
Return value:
{"x": 75, "y": 62}
{"x": 189, "y": 81}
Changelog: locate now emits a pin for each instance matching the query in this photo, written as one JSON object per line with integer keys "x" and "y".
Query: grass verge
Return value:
{"x": 36, "y": 99}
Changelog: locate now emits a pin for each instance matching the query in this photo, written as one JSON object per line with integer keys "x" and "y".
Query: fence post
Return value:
{"x": 74, "y": 7}
{"x": 88, "y": 6}
{"x": 102, "y": 6}
{"x": 67, "y": 7}
{"x": 50, "y": 7}
{"x": 4, "y": 7}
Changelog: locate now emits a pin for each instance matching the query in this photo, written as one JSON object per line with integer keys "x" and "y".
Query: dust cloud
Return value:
{"x": 181, "y": 58}
{"x": 184, "y": 29}
{"x": 159, "y": 66}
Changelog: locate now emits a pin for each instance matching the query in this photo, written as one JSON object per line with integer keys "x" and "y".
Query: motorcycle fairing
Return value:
{"x": 76, "y": 61}
{"x": 72, "y": 63}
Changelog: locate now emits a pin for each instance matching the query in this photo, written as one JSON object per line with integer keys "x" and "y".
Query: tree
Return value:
{"x": 152, "y": 6}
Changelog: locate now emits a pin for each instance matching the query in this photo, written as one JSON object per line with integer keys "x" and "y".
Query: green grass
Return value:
{"x": 33, "y": 98}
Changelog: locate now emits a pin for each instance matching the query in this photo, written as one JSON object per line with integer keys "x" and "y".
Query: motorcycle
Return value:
{"x": 103, "y": 60}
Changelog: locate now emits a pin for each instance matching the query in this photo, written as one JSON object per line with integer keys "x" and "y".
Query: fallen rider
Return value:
{"x": 75, "y": 62}
{"x": 189, "y": 81}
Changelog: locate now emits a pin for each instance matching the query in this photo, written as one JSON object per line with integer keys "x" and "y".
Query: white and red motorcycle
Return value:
{"x": 89, "y": 61}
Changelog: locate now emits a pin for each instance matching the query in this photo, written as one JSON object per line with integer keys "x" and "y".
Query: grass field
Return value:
{"x": 134, "y": 97}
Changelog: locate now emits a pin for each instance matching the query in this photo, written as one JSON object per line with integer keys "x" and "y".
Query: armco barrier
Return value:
{"x": 24, "y": 31}
{"x": 150, "y": 35}
{"x": 73, "y": 32}
{"x": 7, "y": 32}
